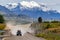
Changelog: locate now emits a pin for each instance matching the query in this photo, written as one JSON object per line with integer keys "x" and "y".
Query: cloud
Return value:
{"x": 4, "y": 2}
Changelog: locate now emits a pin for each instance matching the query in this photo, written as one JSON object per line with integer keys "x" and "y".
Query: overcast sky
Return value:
{"x": 54, "y": 4}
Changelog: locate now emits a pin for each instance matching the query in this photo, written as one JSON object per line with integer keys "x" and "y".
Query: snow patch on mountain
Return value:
{"x": 29, "y": 4}
{"x": 26, "y": 4}
{"x": 11, "y": 5}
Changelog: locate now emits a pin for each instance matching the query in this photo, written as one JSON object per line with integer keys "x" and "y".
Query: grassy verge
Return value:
{"x": 2, "y": 26}
{"x": 49, "y": 36}
{"x": 52, "y": 33}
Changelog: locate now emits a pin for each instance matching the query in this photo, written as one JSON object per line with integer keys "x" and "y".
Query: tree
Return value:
{"x": 2, "y": 24}
{"x": 40, "y": 20}
{"x": 1, "y": 19}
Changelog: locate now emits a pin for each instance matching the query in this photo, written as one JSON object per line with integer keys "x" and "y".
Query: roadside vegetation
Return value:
{"x": 47, "y": 30}
{"x": 2, "y": 24}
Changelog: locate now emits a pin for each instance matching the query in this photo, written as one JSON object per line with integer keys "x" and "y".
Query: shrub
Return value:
{"x": 48, "y": 26}
{"x": 2, "y": 26}
{"x": 46, "y": 22}
{"x": 54, "y": 21}
{"x": 40, "y": 35}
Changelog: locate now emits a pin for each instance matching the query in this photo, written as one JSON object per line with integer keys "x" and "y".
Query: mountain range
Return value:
{"x": 31, "y": 10}
{"x": 10, "y": 16}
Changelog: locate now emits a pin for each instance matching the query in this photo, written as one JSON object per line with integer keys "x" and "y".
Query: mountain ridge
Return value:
{"x": 38, "y": 10}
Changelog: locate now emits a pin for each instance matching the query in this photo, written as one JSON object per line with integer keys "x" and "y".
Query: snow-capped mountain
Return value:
{"x": 34, "y": 10}
{"x": 25, "y": 4}
{"x": 14, "y": 17}
{"x": 27, "y": 10}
